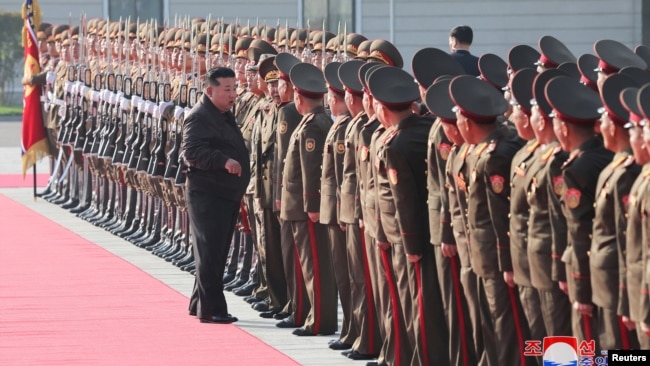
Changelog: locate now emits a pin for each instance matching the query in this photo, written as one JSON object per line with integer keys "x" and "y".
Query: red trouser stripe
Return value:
{"x": 369, "y": 296}
{"x": 316, "y": 264}
{"x": 587, "y": 325}
{"x": 244, "y": 218}
{"x": 299, "y": 286}
{"x": 515, "y": 313}
{"x": 394, "y": 304}
{"x": 624, "y": 339}
{"x": 459, "y": 308}
{"x": 423, "y": 329}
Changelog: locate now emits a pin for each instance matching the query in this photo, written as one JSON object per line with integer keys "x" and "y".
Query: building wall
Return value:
{"x": 499, "y": 25}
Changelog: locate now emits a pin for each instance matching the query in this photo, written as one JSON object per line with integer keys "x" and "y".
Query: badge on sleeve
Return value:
{"x": 310, "y": 144}
{"x": 573, "y": 197}
{"x": 558, "y": 185}
{"x": 444, "y": 149}
{"x": 392, "y": 176}
{"x": 497, "y": 182}
{"x": 283, "y": 127}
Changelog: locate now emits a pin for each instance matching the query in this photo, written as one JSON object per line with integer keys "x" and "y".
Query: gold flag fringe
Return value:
{"x": 35, "y": 153}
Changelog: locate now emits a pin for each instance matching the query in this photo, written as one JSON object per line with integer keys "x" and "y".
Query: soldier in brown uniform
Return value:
{"x": 521, "y": 174}
{"x": 301, "y": 200}
{"x": 630, "y": 297}
{"x": 403, "y": 224}
{"x": 370, "y": 132}
{"x": 297, "y": 307}
{"x": 575, "y": 111}
{"x": 546, "y": 226}
{"x": 364, "y": 311}
{"x": 263, "y": 153}
{"x": 607, "y": 254}
{"x": 477, "y": 315}
{"x": 428, "y": 64}
{"x": 330, "y": 201}
{"x": 488, "y": 193}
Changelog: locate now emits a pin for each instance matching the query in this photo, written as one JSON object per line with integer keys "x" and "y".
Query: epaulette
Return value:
{"x": 548, "y": 154}
{"x": 390, "y": 136}
{"x": 618, "y": 162}
{"x": 629, "y": 161}
{"x": 646, "y": 174}
{"x": 370, "y": 121}
{"x": 478, "y": 150}
{"x": 574, "y": 154}
{"x": 309, "y": 117}
{"x": 533, "y": 146}
{"x": 557, "y": 149}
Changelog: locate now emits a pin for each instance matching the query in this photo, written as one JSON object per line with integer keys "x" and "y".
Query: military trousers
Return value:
{"x": 337, "y": 241}
{"x": 316, "y": 264}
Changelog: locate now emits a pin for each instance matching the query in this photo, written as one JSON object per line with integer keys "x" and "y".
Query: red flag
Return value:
{"x": 34, "y": 141}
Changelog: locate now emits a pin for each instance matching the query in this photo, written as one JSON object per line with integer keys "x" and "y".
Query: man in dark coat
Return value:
{"x": 217, "y": 176}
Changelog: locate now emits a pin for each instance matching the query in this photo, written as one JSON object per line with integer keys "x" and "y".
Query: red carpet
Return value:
{"x": 16, "y": 180}
{"x": 66, "y": 301}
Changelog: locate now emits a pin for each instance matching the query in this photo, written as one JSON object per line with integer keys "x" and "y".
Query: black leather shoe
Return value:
{"x": 286, "y": 323}
{"x": 281, "y": 315}
{"x": 372, "y": 363}
{"x": 354, "y": 355}
{"x": 218, "y": 319}
{"x": 228, "y": 277}
{"x": 301, "y": 332}
{"x": 253, "y": 299}
{"x": 346, "y": 352}
{"x": 192, "y": 312}
{"x": 261, "y": 306}
{"x": 268, "y": 314}
{"x": 339, "y": 346}
{"x": 245, "y": 290}
{"x": 234, "y": 284}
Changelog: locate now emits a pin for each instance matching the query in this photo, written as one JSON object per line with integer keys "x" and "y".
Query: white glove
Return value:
{"x": 178, "y": 112}
{"x": 156, "y": 112}
{"x": 135, "y": 100}
{"x": 50, "y": 78}
{"x": 148, "y": 107}
{"x": 186, "y": 113}
{"x": 95, "y": 96}
{"x": 83, "y": 90}
{"x": 68, "y": 86}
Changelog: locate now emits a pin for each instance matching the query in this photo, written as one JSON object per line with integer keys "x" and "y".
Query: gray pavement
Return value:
{"x": 305, "y": 350}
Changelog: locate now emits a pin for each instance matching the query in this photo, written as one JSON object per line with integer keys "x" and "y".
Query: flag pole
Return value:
{"x": 34, "y": 173}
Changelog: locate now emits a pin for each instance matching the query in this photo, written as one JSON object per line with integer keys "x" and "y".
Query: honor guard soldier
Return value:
{"x": 429, "y": 64}
{"x": 301, "y": 200}
{"x": 608, "y": 246}
{"x": 587, "y": 65}
{"x": 478, "y": 105}
{"x": 575, "y": 111}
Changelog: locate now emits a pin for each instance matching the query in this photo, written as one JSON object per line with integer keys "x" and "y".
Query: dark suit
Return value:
{"x": 210, "y": 138}
{"x": 468, "y": 61}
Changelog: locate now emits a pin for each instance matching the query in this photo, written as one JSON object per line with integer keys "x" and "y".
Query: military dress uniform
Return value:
{"x": 300, "y": 196}
{"x": 488, "y": 203}
{"x": 580, "y": 175}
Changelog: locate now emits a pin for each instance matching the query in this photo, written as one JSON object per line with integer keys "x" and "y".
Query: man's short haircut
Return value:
{"x": 463, "y": 34}
{"x": 212, "y": 76}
